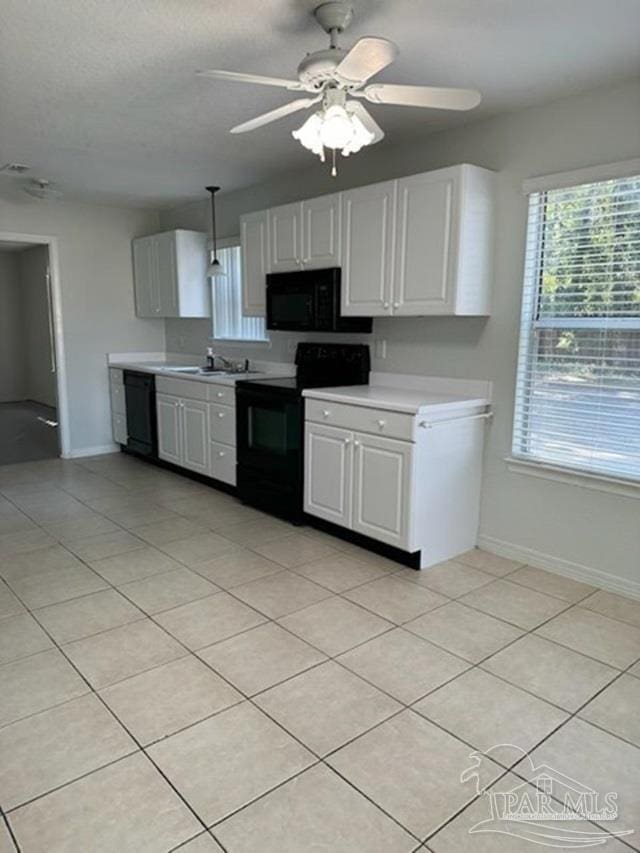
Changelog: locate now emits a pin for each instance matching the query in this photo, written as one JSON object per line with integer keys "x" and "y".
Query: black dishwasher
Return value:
{"x": 140, "y": 395}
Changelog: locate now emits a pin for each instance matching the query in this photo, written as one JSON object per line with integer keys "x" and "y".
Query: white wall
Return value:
{"x": 12, "y": 369}
{"x": 40, "y": 380}
{"x": 572, "y": 528}
{"x": 94, "y": 245}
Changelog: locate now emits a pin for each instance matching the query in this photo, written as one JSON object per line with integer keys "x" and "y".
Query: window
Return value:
{"x": 228, "y": 320}
{"x": 578, "y": 386}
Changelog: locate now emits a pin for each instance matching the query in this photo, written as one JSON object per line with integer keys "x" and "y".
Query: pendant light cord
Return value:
{"x": 213, "y": 191}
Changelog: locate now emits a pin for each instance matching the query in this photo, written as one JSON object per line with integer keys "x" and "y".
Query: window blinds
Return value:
{"x": 228, "y": 320}
{"x": 578, "y": 382}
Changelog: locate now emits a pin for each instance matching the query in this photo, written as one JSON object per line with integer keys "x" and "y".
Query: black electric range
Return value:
{"x": 270, "y": 424}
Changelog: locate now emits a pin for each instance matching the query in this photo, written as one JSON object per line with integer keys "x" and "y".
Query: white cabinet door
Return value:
{"x": 169, "y": 428}
{"x": 165, "y": 247}
{"x": 195, "y": 435}
{"x": 321, "y": 232}
{"x": 368, "y": 232}
{"x": 254, "y": 240}
{"x": 423, "y": 274}
{"x": 285, "y": 233}
{"x": 119, "y": 428}
{"x": 327, "y": 481}
{"x": 382, "y": 489}
{"x": 144, "y": 277}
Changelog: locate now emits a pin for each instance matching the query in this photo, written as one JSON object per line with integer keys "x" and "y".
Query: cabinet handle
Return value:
{"x": 347, "y": 441}
{"x": 356, "y": 444}
{"x": 385, "y": 304}
{"x": 221, "y": 453}
{"x": 396, "y": 304}
{"x": 298, "y": 261}
{"x": 325, "y": 413}
{"x": 220, "y": 414}
{"x": 381, "y": 424}
{"x": 220, "y": 394}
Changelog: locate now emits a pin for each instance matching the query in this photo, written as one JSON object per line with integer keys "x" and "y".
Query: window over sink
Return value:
{"x": 229, "y": 323}
{"x": 578, "y": 383}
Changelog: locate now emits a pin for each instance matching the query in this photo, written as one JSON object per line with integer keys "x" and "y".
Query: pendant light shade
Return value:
{"x": 215, "y": 268}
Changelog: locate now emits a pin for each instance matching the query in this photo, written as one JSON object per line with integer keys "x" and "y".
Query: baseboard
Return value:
{"x": 566, "y": 568}
{"x": 99, "y": 450}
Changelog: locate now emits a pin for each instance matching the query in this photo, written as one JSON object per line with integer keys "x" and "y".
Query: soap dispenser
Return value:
{"x": 210, "y": 359}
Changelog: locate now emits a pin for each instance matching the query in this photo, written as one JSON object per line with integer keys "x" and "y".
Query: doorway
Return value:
{"x": 29, "y": 376}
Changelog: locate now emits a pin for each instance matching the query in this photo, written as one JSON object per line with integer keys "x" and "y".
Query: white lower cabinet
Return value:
{"x": 183, "y": 436}
{"x": 329, "y": 459}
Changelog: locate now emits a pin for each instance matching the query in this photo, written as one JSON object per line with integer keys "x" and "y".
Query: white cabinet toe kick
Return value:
{"x": 410, "y": 481}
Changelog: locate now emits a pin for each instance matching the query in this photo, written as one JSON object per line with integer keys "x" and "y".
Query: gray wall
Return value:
{"x": 40, "y": 380}
{"x": 571, "y": 527}
{"x": 12, "y": 370}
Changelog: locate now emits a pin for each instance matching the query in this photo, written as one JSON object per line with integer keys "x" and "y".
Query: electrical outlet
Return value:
{"x": 380, "y": 348}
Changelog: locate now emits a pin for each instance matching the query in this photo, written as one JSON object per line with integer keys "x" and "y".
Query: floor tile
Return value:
{"x": 403, "y": 665}
{"x": 104, "y": 545}
{"x": 514, "y": 603}
{"x": 467, "y": 633}
{"x": 326, "y": 706}
{"x": 237, "y": 567}
{"x": 10, "y": 605}
{"x": 148, "y": 515}
{"x": 316, "y": 811}
{"x": 476, "y": 828}
{"x": 51, "y": 587}
{"x": 134, "y": 565}
{"x": 259, "y": 532}
{"x": 208, "y": 620}
{"x": 369, "y": 557}
{"x": 335, "y": 625}
{"x": 163, "y": 700}
{"x": 90, "y": 614}
{"x": 487, "y": 562}
{"x": 161, "y": 532}
{"x": 127, "y": 807}
{"x": 221, "y": 764}
{"x": 340, "y": 572}
{"x": 614, "y": 606}
{"x": 486, "y": 712}
{"x": 260, "y": 658}
{"x": 411, "y": 768}
{"x": 279, "y": 594}
{"x": 15, "y": 522}
{"x": 6, "y": 842}
{"x": 395, "y": 600}
{"x": 597, "y": 636}
{"x": 35, "y": 562}
{"x": 21, "y": 636}
{"x": 295, "y": 550}
{"x": 449, "y": 578}
{"x": 616, "y": 709}
{"x": 51, "y": 748}
{"x": 596, "y": 759}
{"x": 78, "y": 527}
{"x": 117, "y": 654}
{"x": 169, "y": 589}
{"x": 36, "y": 683}
{"x": 203, "y": 843}
{"x": 199, "y": 549}
{"x": 552, "y": 672}
{"x": 23, "y": 542}
{"x": 551, "y": 584}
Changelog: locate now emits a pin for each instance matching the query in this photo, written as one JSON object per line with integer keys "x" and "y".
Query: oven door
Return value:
{"x": 290, "y": 306}
{"x": 269, "y": 433}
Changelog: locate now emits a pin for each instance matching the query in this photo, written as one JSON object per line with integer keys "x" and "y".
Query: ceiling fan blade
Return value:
{"x": 367, "y": 119}
{"x": 422, "y": 96}
{"x": 239, "y": 77}
{"x": 368, "y": 56}
{"x": 274, "y": 115}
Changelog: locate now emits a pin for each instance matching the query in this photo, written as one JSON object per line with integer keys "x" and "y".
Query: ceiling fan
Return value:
{"x": 333, "y": 78}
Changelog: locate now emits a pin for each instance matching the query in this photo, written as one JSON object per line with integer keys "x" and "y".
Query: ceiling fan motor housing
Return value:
{"x": 318, "y": 67}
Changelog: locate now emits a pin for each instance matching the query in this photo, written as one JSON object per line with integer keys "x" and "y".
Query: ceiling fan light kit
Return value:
{"x": 334, "y": 77}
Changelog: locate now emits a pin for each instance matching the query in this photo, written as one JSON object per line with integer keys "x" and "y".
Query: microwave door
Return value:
{"x": 290, "y": 309}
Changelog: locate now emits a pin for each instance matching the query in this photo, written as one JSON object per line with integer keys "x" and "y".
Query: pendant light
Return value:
{"x": 215, "y": 269}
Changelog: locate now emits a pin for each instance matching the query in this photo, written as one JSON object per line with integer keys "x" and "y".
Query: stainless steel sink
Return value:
{"x": 201, "y": 371}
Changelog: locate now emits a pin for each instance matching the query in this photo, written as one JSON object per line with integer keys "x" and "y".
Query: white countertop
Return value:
{"x": 164, "y": 369}
{"x": 398, "y": 399}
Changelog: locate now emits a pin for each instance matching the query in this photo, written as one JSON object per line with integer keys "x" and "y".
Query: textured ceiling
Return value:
{"x": 101, "y": 98}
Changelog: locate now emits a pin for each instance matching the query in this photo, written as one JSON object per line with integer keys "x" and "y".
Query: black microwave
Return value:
{"x": 309, "y": 301}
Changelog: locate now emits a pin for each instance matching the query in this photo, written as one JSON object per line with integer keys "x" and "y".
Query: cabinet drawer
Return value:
{"x": 222, "y": 424}
{"x": 361, "y": 418}
{"x": 119, "y": 428}
{"x": 116, "y": 376}
{"x": 223, "y": 462}
{"x": 182, "y": 387}
{"x": 224, "y": 394}
{"x": 118, "y": 404}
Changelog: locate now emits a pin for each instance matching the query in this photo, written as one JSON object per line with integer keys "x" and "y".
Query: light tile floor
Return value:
{"x": 181, "y": 672}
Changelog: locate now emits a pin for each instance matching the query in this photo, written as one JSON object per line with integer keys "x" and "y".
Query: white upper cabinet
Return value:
{"x": 368, "y": 218}
{"x": 321, "y": 232}
{"x": 254, "y": 241}
{"x": 285, "y": 232}
{"x": 170, "y": 275}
